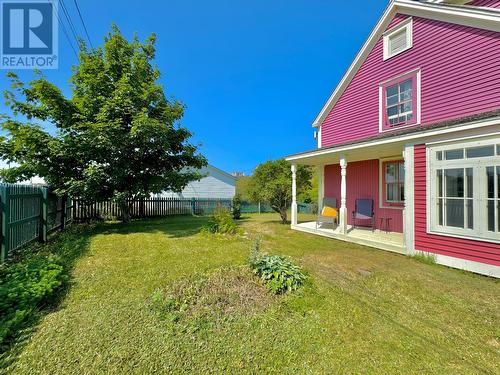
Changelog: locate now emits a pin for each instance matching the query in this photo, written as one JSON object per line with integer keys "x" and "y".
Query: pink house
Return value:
{"x": 409, "y": 140}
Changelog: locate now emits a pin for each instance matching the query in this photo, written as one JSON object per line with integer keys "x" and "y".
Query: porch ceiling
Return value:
{"x": 353, "y": 153}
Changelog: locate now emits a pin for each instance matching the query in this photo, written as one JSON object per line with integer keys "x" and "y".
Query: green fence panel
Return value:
{"x": 28, "y": 213}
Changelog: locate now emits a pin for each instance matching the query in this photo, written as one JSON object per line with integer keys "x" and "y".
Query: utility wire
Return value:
{"x": 83, "y": 23}
{"x": 70, "y": 21}
{"x": 64, "y": 30}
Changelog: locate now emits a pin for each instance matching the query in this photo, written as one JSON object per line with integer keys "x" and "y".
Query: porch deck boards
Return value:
{"x": 392, "y": 241}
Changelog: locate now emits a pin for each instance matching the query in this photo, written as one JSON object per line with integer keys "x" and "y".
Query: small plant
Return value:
{"x": 221, "y": 222}
{"x": 279, "y": 273}
{"x": 424, "y": 258}
{"x": 236, "y": 207}
{"x": 25, "y": 286}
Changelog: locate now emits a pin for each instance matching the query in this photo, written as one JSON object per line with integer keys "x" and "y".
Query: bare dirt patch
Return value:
{"x": 223, "y": 295}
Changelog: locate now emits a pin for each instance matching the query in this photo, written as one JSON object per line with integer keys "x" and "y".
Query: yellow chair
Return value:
{"x": 328, "y": 212}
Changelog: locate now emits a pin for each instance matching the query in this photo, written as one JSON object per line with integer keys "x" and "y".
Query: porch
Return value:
{"x": 389, "y": 241}
{"x": 383, "y": 181}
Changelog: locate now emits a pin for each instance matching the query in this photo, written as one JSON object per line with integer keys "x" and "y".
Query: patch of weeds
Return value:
{"x": 425, "y": 258}
{"x": 221, "y": 222}
{"x": 279, "y": 273}
{"x": 201, "y": 302}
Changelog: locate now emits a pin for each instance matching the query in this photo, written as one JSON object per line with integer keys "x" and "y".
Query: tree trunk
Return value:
{"x": 283, "y": 216}
{"x": 125, "y": 210}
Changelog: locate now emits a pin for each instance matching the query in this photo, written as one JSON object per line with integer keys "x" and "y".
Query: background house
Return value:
{"x": 216, "y": 184}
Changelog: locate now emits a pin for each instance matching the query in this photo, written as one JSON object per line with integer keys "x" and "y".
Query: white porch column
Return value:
{"x": 409, "y": 209}
{"x": 321, "y": 185}
{"x": 343, "y": 196}
{"x": 294, "y": 194}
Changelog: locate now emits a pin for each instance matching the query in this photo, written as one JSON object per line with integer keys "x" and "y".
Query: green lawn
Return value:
{"x": 363, "y": 310}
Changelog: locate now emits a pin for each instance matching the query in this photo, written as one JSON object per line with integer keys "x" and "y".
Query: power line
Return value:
{"x": 64, "y": 30}
{"x": 70, "y": 22}
{"x": 83, "y": 23}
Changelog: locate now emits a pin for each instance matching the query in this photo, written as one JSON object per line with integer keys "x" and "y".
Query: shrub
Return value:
{"x": 279, "y": 273}
{"x": 236, "y": 207}
{"x": 26, "y": 286}
{"x": 221, "y": 222}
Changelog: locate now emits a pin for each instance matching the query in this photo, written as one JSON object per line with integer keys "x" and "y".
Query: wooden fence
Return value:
{"x": 29, "y": 213}
{"x": 142, "y": 208}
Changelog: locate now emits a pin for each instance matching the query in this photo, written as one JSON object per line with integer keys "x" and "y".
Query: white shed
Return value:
{"x": 216, "y": 184}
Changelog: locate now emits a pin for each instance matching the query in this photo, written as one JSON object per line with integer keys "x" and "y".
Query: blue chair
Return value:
{"x": 363, "y": 212}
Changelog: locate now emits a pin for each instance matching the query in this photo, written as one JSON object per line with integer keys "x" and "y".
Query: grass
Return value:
{"x": 362, "y": 311}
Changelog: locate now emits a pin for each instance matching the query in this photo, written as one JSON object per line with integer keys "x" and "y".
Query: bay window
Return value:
{"x": 464, "y": 189}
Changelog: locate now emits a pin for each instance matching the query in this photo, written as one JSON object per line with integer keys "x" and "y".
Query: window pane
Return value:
{"x": 390, "y": 172}
{"x": 440, "y": 211}
{"x": 479, "y": 152}
{"x": 470, "y": 213}
{"x": 470, "y": 182}
{"x": 455, "y": 213}
{"x": 440, "y": 182}
{"x": 454, "y": 154}
{"x": 498, "y": 184}
{"x": 491, "y": 216}
{"x": 392, "y": 91}
{"x": 439, "y": 155}
{"x": 392, "y": 192}
{"x": 405, "y": 107}
{"x": 454, "y": 179}
{"x": 392, "y": 100}
{"x": 402, "y": 192}
{"x": 392, "y": 111}
{"x": 402, "y": 172}
{"x": 490, "y": 182}
{"x": 405, "y": 88}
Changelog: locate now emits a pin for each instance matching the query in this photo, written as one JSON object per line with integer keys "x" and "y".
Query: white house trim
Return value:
{"x": 409, "y": 208}
{"x": 466, "y": 16}
{"x": 423, "y": 134}
{"x": 407, "y": 25}
{"x": 463, "y": 264}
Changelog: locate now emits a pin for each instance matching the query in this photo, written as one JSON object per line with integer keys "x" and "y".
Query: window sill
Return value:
{"x": 394, "y": 207}
{"x": 397, "y": 127}
{"x": 463, "y": 236}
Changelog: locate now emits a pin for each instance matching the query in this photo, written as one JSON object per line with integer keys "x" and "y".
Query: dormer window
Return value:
{"x": 400, "y": 101}
{"x": 398, "y": 39}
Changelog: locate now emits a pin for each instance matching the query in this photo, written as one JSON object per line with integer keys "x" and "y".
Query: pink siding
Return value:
{"x": 362, "y": 182}
{"x": 460, "y": 76}
{"x": 478, "y": 251}
{"x": 486, "y": 3}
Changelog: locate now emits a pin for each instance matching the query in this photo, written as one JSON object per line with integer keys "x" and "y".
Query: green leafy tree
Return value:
{"x": 272, "y": 182}
{"x": 242, "y": 184}
{"x": 117, "y": 136}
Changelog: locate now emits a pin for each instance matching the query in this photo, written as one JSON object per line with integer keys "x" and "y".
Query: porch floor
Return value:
{"x": 391, "y": 241}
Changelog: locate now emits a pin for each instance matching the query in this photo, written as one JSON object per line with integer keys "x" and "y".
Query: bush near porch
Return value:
{"x": 362, "y": 310}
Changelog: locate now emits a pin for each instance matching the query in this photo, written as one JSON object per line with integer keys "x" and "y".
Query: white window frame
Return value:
{"x": 381, "y": 104}
{"x": 406, "y": 25}
{"x": 480, "y": 230}
{"x": 381, "y": 172}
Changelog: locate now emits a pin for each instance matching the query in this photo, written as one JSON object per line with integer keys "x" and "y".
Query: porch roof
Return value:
{"x": 392, "y": 143}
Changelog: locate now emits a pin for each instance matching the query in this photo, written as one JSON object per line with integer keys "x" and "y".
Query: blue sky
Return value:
{"x": 253, "y": 74}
